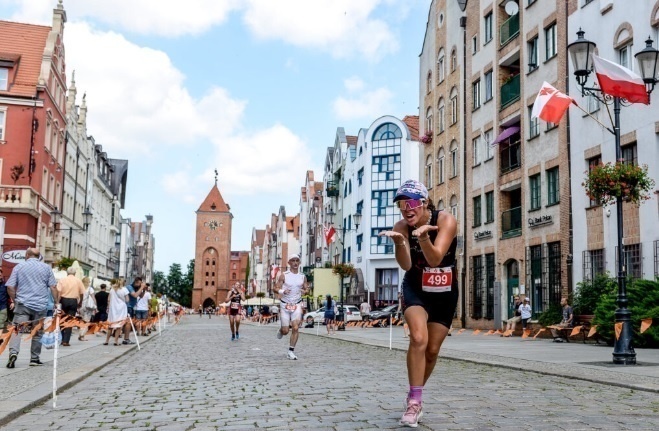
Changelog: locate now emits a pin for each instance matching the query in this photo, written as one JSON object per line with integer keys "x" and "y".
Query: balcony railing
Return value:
{"x": 510, "y": 91}
{"x": 511, "y": 222}
{"x": 510, "y": 156}
{"x": 509, "y": 29}
{"x": 19, "y": 199}
{"x": 332, "y": 189}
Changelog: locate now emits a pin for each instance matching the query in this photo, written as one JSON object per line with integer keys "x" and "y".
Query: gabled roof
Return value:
{"x": 260, "y": 236}
{"x": 352, "y": 140}
{"x": 412, "y": 122}
{"x": 214, "y": 202}
{"x": 23, "y": 44}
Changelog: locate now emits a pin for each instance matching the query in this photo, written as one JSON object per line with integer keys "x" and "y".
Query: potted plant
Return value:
{"x": 606, "y": 182}
{"x": 427, "y": 137}
{"x": 343, "y": 270}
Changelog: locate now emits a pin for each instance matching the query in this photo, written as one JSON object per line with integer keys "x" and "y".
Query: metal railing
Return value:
{"x": 332, "y": 189}
{"x": 509, "y": 29}
{"x": 511, "y": 222}
{"x": 510, "y": 91}
{"x": 510, "y": 157}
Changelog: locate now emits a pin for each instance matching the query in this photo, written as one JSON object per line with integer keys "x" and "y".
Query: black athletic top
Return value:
{"x": 419, "y": 261}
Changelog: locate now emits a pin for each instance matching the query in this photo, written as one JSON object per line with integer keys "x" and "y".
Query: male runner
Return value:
{"x": 291, "y": 285}
{"x": 235, "y": 295}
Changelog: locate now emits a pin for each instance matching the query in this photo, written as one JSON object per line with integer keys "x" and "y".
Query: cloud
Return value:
{"x": 342, "y": 27}
{"x": 168, "y": 18}
{"x": 367, "y": 105}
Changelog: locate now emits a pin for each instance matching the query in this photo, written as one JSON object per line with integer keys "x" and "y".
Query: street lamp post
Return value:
{"x": 87, "y": 217}
{"x": 580, "y": 53}
{"x": 357, "y": 218}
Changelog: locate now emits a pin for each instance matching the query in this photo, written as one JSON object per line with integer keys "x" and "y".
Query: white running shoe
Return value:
{"x": 291, "y": 355}
{"x": 279, "y": 334}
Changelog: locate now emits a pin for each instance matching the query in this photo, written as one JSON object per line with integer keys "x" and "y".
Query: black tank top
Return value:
{"x": 418, "y": 259}
{"x": 236, "y": 298}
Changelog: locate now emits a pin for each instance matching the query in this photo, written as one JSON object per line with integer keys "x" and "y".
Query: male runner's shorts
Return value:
{"x": 289, "y": 313}
{"x": 439, "y": 306}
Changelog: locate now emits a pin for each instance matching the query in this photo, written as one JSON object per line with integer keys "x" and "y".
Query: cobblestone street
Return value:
{"x": 194, "y": 378}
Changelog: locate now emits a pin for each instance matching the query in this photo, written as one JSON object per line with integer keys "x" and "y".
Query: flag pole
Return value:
{"x": 594, "y": 118}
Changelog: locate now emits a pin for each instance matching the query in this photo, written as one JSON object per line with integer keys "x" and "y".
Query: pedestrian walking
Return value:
{"x": 365, "y": 310}
{"x": 425, "y": 244}
{"x": 291, "y": 285}
{"x": 330, "y": 315}
{"x": 88, "y": 308}
{"x": 71, "y": 291}
{"x": 5, "y": 304}
{"x": 28, "y": 287}
{"x": 235, "y": 296}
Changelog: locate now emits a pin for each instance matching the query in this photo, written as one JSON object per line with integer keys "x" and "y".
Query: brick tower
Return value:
{"x": 212, "y": 250}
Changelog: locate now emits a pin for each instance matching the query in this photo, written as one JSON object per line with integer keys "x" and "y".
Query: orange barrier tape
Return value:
{"x": 618, "y": 329}
{"x": 461, "y": 331}
{"x": 576, "y": 330}
{"x": 593, "y": 331}
{"x": 476, "y": 332}
{"x": 541, "y": 330}
{"x": 645, "y": 324}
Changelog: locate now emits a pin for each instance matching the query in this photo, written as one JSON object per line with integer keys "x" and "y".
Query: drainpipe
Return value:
{"x": 463, "y": 275}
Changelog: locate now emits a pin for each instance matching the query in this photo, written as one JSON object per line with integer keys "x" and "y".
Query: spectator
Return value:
{"x": 71, "y": 291}
{"x": 134, "y": 291}
{"x": 525, "y": 311}
{"x": 511, "y": 326}
{"x": 4, "y": 304}
{"x": 28, "y": 288}
{"x": 568, "y": 316}
{"x": 142, "y": 309}
{"x": 275, "y": 313}
{"x": 117, "y": 311}
{"x": 249, "y": 311}
{"x": 365, "y": 309}
{"x": 330, "y": 315}
{"x": 101, "y": 304}
{"x": 88, "y": 308}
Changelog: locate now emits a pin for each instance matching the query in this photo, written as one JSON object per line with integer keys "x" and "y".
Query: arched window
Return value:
{"x": 429, "y": 181}
{"x": 454, "y": 206}
{"x": 440, "y": 204}
{"x": 454, "y": 158}
{"x": 387, "y": 131}
{"x": 440, "y": 165}
{"x": 429, "y": 119}
{"x": 441, "y": 115}
{"x": 454, "y": 60}
{"x": 440, "y": 65}
{"x": 454, "y": 105}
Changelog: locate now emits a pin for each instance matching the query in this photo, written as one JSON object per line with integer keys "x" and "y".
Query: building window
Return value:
{"x": 429, "y": 119}
{"x": 488, "y": 27}
{"x": 552, "y": 186}
{"x": 429, "y": 171}
{"x": 3, "y": 120}
{"x": 489, "y": 285}
{"x": 477, "y": 211}
{"x": 592, "y": 164}
{"x": 440, "y": 116}
{"x": 454, "y": 206}
{"x": 532, "y": 53}
{"x": 454, "y": 60}
{"x": 440, "y": 66}
{"x": 440, "y": 205}
{"x": 476, "y": 143}
{"x": 534, "y": 186}
{"x": 629, "y": 154}
{"x": 550, "y": 41}
{"x": 440, "y": 165}
{"x": 488, "y": 86}
{"x": 477, "y": 286}
{"x": 454, "y": 159}
{"x": 593, "y": 264}
{"x": 360, "y": 239}
{"x": 534, "y": 125}
{"x": 489, "y": 148}
{"x": 633, "y": 260}
{"x": 624, "y": 55}
{"x": 454, "y": 109}
{"x": 360, "y": 176}
{"x": 4, "y": 78}
{"x": 476, "y": 94}
{"x": 489, "y": 207}
{"x": 429, "y": 82}
{"x": 593, "y": 104}
{"x": 474, "y": 44}
{"x": 553, "y": 273}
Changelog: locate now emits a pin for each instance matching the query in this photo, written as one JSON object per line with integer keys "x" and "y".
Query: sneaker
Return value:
{"x": 291, "y": 355}
{"x": 412, "y": 415}
{"x": 237, "y": 336}
{"x": 558, "y": 340}
{"x": 11, "y": 363}
{"x": 35, "y": 363}
{"x": 279, "y": 334}
{"x": 233, "y": 337}
{"x": 127, "y": 342}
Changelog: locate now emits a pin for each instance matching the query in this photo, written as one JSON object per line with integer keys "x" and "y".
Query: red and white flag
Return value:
{"x": 274, "y": 270}
{"x": 330, "y": 234}
{"x": 618, "y": 81}
{"x": 550, "y": 104}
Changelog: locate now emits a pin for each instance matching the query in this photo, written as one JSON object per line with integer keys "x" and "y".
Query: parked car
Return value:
{"x": 318, "y": 316}
{"x": 384, "y": 313}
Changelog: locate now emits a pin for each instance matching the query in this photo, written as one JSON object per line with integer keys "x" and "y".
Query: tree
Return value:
{"x": 176, "y": 282}
{"x": 247, "y": 274}
{"x": 159, "y": 283}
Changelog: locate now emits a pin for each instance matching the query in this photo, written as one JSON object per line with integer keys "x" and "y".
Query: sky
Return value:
{"x": 253, "y": 88}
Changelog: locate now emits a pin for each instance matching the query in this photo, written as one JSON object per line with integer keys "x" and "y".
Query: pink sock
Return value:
{"x": 415, "y": 393}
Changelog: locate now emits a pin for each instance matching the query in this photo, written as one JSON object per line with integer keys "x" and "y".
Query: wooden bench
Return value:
{"x": 583, "y": 320}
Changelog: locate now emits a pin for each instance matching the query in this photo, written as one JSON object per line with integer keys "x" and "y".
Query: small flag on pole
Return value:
{"x": 550, "y": 104}
{"x": 330, "y": 234}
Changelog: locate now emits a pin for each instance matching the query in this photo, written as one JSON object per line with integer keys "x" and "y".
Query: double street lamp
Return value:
{"x": 87, "y": 219}
{"x": 580, "y": 53}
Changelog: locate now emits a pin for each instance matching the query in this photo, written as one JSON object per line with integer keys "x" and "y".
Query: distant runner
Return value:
{"x": 291, "y": 285}
{"x": 235, "y": 295}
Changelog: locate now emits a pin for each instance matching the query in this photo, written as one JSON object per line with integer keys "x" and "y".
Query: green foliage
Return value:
{"x": 643, "y": 297}
{"x": 551, "y": 316}
{"x": 247, "y": 273}
{"x": 179, "y": 285}
{"x": 17, "y": 171}
{"x": 64, "y": 263}
{"x": 606, "y": 182}
{"x": 260, "y": 294}
{"x": 328, "y": 264}
{"x": 159, "y": 282}
{"x": 590, "y": 292}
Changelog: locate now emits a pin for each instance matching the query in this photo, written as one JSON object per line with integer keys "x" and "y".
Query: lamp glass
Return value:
{"x": 357, "y": 218}
{"x": 647, "y": 62}
{"x": 87, "y": 214}
{"x": 580, "y": 52}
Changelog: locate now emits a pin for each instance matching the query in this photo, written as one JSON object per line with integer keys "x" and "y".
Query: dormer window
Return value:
{"x": 4, "y": 78}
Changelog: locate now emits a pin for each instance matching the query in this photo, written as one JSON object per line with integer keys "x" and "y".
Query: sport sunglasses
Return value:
{"x": 410, "y": 204}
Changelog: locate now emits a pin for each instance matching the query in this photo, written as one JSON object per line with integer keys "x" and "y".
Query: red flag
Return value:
{"x": 550, "y": 104}
{"x": 330, "y": 234}
{"x": 618, "y": 81}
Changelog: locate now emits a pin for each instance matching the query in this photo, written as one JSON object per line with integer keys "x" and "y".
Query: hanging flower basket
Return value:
{"x": 427, "y": 137}
{"x": 343, "y": 270}
{"x": 605, "y": 182}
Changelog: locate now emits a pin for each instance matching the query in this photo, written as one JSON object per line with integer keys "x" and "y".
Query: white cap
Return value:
{"x": 293, "y": 256}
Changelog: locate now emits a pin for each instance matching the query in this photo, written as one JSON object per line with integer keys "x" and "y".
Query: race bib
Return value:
{"x": 437, "y": 280}
{"x": 291, "y": 307}
{"x": 235, "y": 305}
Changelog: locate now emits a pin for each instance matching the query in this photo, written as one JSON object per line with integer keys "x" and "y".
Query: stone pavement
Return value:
{"x": 194, "y": 378}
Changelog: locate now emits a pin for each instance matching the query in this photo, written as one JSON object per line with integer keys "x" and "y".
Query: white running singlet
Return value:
{"x": 291, "y": 302}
